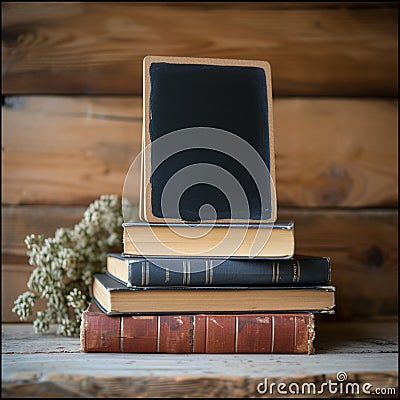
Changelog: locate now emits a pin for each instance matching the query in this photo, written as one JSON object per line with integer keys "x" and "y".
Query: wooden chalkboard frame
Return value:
{"x": 145, "y": 208}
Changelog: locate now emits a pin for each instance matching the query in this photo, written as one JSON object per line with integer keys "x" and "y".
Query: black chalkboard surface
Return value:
{"x": 207, "y": 140}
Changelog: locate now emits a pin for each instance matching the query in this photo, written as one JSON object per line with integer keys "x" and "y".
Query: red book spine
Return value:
{"x": 198, "y": 333}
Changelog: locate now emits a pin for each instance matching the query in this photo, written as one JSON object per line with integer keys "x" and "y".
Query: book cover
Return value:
{"x": 197, "y": 333}
{"x": 205, "y": 271}
{"x": 115, "y": 297}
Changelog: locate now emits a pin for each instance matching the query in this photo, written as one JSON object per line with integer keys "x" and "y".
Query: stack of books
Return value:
{"x": 188, "y": 283}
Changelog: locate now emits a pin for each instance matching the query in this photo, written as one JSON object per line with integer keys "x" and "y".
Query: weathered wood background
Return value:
{"x": 72, "y": 83}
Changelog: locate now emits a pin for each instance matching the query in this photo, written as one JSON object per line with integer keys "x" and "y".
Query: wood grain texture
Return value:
{"x": 72, "y": 149}
{"x": 362, "y": 245}
{"x": 18, "y": 222}
{"x": 314, "y": 48}
{"x": 69, "y": 150}
{"x": 43, "y": 366}
{"x": 363, "y": 249}
{"x": 336, "y": 152}
{"x": 71, "y": 386}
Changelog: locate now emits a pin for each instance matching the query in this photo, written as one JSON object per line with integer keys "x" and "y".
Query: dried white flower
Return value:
{"x": 24, "y": 304}
{"x": 65, "y": 264}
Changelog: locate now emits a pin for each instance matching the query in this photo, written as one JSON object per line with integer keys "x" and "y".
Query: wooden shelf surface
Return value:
{"x": 50, "y": 365}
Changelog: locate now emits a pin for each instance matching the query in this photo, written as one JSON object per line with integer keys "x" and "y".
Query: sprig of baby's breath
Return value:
{"x": 65, "y": 264}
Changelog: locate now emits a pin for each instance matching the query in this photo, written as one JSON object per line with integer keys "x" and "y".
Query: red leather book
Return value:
{"x": 197, "y": 333}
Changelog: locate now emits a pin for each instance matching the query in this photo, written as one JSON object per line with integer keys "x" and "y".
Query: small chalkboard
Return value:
{"x": 207, "y": 107}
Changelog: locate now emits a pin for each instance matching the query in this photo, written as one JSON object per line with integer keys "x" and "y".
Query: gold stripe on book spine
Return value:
{"x": 273, "y": 271}
{"x": 193, "y": 318}
{"x": 298, "y": 270}
{"x": 272, "y": 333}
{"x": 236, "y": 333}
{"x": 147, "y": 273}
{"x": 130, "y": 274}
{"x": 121, "y": 330}
{"x": 158, "y": 334}
{"x": 185, "y": 273}
{"x": 277, "y": 271}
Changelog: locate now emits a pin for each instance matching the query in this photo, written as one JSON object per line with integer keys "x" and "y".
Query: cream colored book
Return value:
{"x": 219, "y": 240}
{"x": 115, "y": 297}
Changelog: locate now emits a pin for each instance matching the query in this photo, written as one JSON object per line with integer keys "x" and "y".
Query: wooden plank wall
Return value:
{"x": 72, "y": 121}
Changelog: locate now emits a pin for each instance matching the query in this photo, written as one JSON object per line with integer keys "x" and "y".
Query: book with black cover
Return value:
{"x": 223, "y": 109}
{"x": 205, "y": 271}
{"x": 116, "y": 298}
